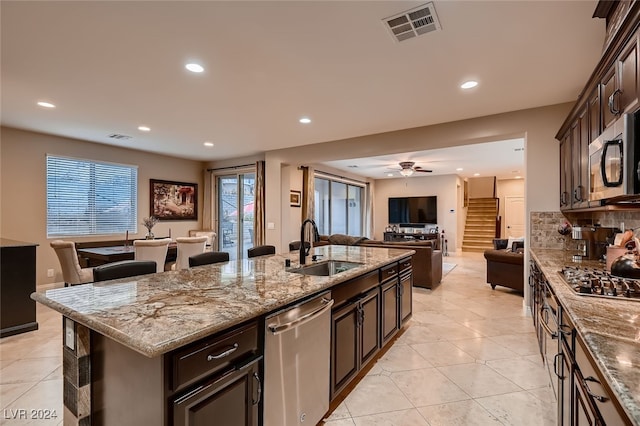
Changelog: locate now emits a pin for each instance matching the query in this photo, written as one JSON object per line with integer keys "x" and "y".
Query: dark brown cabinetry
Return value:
{"x": 218, "y": 377}
{"x": 612, "y": 90}
{"x": 368, "y": 312}
{"x": 405, "y": 289}
{"x": 390, "y": 303}
{"x": 233, "y": 396}
{"x": 620, "y": 83}
{"x": 583, "y": 396}
{"x": 355, "y": 337}
{"x": 593, "y": 402}
{"x": 18, "y": 277}
{"x": 565, "y": 172}
{"x": 574, "y": 163}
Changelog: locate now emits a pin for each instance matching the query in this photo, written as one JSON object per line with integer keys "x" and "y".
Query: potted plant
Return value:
{"x": 149, "y": 223}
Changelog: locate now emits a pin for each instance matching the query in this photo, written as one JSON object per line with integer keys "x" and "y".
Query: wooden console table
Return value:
{"x": 404, "y": 236}
{"x": 18, "y": 276}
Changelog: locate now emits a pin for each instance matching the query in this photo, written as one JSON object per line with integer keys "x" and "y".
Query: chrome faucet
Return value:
{"x": 304, "y": 252}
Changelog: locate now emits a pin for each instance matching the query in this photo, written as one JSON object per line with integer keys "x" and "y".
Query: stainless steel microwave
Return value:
{"x": 613, "y": 163}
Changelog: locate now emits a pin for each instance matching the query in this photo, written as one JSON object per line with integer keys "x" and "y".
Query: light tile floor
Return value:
{"x": 468, "y": 357}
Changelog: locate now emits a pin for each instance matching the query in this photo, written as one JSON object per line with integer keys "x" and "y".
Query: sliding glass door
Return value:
{"x": 235, "y": 213}
{"x": 339, "y": 207}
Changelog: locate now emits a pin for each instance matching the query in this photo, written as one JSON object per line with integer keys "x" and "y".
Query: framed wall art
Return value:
{"x": 295, "y": 198}
{"x": 174, "y": 200}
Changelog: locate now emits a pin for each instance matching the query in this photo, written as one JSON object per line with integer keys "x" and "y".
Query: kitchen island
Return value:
{"x": 610, "y": 330}
{"x": 145, "y": 331}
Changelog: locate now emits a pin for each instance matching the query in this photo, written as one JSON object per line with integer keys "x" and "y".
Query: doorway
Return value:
{"x": 235, "y": 213}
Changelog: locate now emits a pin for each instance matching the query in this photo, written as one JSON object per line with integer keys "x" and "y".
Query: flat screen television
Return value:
{"x": 413, "y": 209}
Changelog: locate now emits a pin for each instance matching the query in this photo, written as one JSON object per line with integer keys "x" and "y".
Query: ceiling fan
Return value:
{"x": 408, "y": 168}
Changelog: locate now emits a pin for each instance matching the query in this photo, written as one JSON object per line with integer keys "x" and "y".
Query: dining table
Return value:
{"x": 95, "y": 256}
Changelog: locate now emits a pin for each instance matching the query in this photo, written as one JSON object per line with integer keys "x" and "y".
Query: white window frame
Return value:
{"x": 92, "y": 222}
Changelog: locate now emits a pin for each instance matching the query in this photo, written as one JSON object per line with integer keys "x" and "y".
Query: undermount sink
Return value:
{"x": 326, "y": 268}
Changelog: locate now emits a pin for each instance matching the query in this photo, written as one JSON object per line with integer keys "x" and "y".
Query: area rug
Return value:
{"x": 447, "y": 267}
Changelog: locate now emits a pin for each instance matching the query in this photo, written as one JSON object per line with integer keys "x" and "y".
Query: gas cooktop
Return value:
{"x": 600, "y": 283}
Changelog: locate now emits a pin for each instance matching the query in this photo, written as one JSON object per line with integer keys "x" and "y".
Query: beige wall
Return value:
{"x": 23, "y": 184}
{"x": 444, "y": 187}
{"x": 538, "y": 126}
{"x": 482, "y": 187}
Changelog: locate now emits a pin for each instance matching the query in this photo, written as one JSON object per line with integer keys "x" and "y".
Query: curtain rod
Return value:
{"x": 242, "y": 166}
{"x": 341, "y": 177}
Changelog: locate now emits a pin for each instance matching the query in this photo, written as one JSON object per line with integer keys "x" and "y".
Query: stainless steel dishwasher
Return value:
{"x": 296, "y": 363}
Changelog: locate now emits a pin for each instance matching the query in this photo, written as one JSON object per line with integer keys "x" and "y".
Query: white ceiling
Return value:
{"x": 112, "y": 66}
{"x": 503, "y": 159}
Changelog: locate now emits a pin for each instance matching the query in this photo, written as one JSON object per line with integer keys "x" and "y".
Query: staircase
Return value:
{"x": 480, "y": 229}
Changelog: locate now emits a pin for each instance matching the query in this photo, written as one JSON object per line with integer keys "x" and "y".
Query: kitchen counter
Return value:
{"x": 157, "y": 313}
{"x": 610, "y": 328}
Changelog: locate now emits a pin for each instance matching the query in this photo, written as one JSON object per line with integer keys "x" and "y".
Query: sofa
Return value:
{"x": 505, "y": 265}
{"x": 427, "y": 262}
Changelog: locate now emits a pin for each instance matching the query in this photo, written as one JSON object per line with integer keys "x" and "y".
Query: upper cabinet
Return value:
{"x": 612, "y": 90}
{"x": 620, "y": 84}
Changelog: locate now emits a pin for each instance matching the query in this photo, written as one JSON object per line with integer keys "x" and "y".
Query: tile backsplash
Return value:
{"x": 544, "y": 225}
{"x": 544, "y": 230}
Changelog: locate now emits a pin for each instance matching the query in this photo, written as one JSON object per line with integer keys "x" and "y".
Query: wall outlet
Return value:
{"x": 50, "y": 273}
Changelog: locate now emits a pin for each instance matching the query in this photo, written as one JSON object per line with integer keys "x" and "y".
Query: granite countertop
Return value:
{"x": 157, "y": 313}
{"x": 610, "y": 328}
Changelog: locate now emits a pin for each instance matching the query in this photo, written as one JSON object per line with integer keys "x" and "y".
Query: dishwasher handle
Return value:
{"x": 308, "y": 316}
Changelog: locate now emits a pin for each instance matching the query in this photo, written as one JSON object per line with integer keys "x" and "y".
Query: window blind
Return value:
{"x": 86, "y": 197}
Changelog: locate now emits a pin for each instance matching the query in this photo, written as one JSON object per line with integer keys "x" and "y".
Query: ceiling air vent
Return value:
{"x": 414, "y": 22}
{"x": 118, "y": 136}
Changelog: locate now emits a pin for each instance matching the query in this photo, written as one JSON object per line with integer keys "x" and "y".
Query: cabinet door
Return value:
{"x": 389, "y": 309}
{"x": 608, "y": 107}
{"x": 627, "y": 64}
{"x": 344, "y": 345}
{"x": 594, "y": 108}
{"x": 406, "y": 297}
{"x": 369, "y": 326}
{"x": 584, "y": 414}
{"x": 565, "y": 172}
{"x": 577, "y": 192}
{"x": 233, "y": 397}
{"x": 564, "y": 389}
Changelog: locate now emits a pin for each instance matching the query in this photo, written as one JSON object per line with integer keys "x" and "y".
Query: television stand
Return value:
{"x": 406, "y": 236}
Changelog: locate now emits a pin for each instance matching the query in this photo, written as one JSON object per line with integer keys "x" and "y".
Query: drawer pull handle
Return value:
{"x": 586, "y": 386}
{"x": 223, "y": 354}
{"x": 555, "y": 365}
{"x": 545, "y": 325}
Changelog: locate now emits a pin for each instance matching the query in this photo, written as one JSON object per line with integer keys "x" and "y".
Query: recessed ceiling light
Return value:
{"x": 469, "y": 84}
{"x": 459, "y": 169}
{"x": 144, "y": 128}
{"x": 476, "y": 174}
{"x": 390, "y": 174}
{"x": 209, "y": 144}
{"x": 46, "y": 104}
{"x": 194, "y": 67}
{"x": 305, "y": 120}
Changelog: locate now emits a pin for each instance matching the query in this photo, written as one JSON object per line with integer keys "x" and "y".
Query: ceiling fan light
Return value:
{"x": 406, "y": 172}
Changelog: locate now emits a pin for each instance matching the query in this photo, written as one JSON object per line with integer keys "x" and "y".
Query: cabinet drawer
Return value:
{"x": 389, "y": 272}
{"x": 405, "y": 264}
{"x": 597, "y": 390}
{"x": 212, "y": 354}
{"x": 350, "y": 289}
